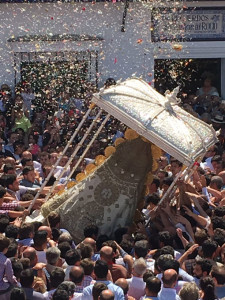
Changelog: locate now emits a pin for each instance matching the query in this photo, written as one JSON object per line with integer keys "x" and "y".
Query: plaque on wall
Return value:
{"x": 190, "y": 24}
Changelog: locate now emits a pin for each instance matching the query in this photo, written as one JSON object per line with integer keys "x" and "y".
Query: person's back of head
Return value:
{"x": 52, "y": 255}
{"x": 122, "y": 282}
{"x": 200, "y": 236}
{"x": 101, "y": 269}
{"x": 12, "y": 249}
{"x": 4, "y": 222}
{"x": 12, "y": 231}
{"x": 162, "y": 260}
{"x": 216, "y": 182}
{"x": 40, "y": 238}
{"x": 57, "y": 276}
{"x": 169, "y": 278}
{"x": 207, "y": 286}
{"x": 72, "y": 257}
{"x": 67, "y": 286}
{"x": 165, "y": 239}
{"x": 209, "y": 248}
{"x": 106, "y": 253}
{"x": 30, "y": 253}
{"x": 86, "y": 251}
{"x": 97, "y": 289}
{"x": 218, "y": 273}
{"x": 141, "y": 248}
{"x": 139, "y": 267}
{"x": 27, "y": 278}
{"x": 65, "y": 237}
{"x": 189, "y": 291}
{"x": 77, "y": 275}
{"x": 60, "y": 294}
{"x": 26, "y": 231}
{"x": 91, "y": 231}
{"x": 4, "y": 243}
{"x": 153, "y": 286}
{"x": 17, "y": 293}
{"x": 17, "y": 267}
{"x": 88, "y": 266}
{"x": 106, "y": 295}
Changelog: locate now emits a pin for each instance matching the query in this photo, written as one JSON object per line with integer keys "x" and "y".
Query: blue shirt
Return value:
{"x": 118, "y": 292}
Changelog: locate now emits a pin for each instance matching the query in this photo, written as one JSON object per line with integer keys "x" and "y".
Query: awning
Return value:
{"x": 159, "y": 119}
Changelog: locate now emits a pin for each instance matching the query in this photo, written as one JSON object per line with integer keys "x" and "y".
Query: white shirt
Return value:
{"x": 48, "y": 295}
{"x": 136, "y": 287}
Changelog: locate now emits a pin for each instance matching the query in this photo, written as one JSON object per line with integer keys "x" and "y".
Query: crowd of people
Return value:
{"x": 176, "y": 251}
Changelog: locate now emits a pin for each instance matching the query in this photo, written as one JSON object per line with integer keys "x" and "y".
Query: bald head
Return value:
{"x": 106, "y": 295}
{"x": 90, "y": 241}
{"x": 122, "y": 282}
{"x": 169, "y": 278}
{"x": 77, "y": 275}
{"x": 30, "y": 253}
{"x": 27, "y": 154}
{"x": 106, "y": 253}
{"x": 47, "y": 229}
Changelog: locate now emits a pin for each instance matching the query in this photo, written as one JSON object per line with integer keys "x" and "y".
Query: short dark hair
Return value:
{"x": 205, "y": 264}
{"x": 24, "y": 161}
{"x": 153, "y": 198}
{"x": 40, "y": 237}
{"x": 17, "y": 293}
{"x": 64, "y": 247}
{"x": 27, "y": 278}
{"x": 208, "y": 248}
{"x": 219, "y": 273}
{"x": 27, "y": 169}
{"x": 165, "y": 238}
{"x": 200, "y": 236}
{"x": 156, "y": 181}
{"x": 67, "y": 286}
{"x": 168, "y": 181}
{"x": 72, "y": 257}
{"x": 17, "y": 267}
{"x": 153, "y": 284}
{"x": 60, "y": 294}
{"x": 7, "y": 168}
{"x": 9, "y": 179}
{"x": 12, "y": 231}
{"x": 53, "y": 219}
{"x": 25, "y": 230}
{"x": 174, "y": 160}
{"x": 57, "y": 276}
{"x": 4, "y": 222}
{"x": 91, "y": 230}
{"x": 17, "y": 144}
{"x": 141, "y": 248}
{"x": 218, "y": 222}
{"x": 219, "y": 211}
{"x": 4, "y": 242}
{"x": 12, "y": 249}
{"x": 101, "y": 269}
{"x": 97, "y": 289}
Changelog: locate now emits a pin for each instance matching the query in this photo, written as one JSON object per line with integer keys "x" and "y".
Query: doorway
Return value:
{"x": 186, "y": 73}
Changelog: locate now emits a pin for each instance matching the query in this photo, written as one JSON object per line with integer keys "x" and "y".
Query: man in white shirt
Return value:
{"x": 136, "y": 283}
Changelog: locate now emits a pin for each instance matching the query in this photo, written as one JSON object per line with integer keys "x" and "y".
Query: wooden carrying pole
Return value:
{"x": 77, "y": 148}
{"x": 88, "y": 147}
{"x": 60, "y": 157}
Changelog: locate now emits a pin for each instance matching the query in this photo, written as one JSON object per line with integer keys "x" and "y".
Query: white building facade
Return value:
{"x": 59, "y": 31}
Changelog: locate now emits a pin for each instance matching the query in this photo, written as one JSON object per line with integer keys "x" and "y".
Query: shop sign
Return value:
{"x": 192, "y": 24}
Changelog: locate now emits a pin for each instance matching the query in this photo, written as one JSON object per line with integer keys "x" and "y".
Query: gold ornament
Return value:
{"x": 119, "y": 141}
{"x": 145, "y": 140}
{"x": 70, "y": 184}
{"x": 156, "y": 151}
{"x": 90, "y": 168}
{"x": 109, "y": 151}
{"x": 149, "y": 178}
{"x": 60, "y": 192}
{"x": 80, "y": 177}
{"x": 154, "y": 165}
{"x": 130, "y": 134}
{"x": 99, "y": 160}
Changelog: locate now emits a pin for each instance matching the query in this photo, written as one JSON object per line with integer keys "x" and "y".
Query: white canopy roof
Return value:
{"x": 159, "y": 119}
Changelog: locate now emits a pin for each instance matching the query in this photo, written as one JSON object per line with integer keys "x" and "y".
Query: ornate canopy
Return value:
{"x": 158, "y": 118}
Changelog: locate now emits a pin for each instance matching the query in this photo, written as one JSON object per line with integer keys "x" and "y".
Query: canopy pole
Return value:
{"x": 88, "y": 146}
{"x": 77, "y": 148}
{"x": 60, "y": 157}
